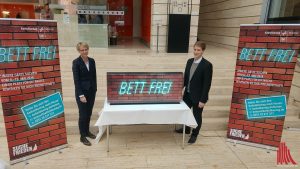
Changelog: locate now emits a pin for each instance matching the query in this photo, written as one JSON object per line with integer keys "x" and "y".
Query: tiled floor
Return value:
{"x": 154, "y": 146}
{"x": 159, "y": 150}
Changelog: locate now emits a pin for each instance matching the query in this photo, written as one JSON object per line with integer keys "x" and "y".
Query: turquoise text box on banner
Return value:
{"x": 43, "y": 109}
{"x": 274, "y": 106}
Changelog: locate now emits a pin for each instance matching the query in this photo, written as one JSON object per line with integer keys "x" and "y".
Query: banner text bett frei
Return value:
{"x": 30, "y": 88}
{"x": 265, "y": 65}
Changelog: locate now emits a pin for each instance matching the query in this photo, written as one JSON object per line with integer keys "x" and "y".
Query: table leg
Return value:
{"x": 183, "y": 135}
{"x": 107, "y": 137}
{"x": 110, "y": 129}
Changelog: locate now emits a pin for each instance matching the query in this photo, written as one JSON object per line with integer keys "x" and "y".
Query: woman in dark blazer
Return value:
{"x": 197, "y": 81}
{"x": 84, "y": 74}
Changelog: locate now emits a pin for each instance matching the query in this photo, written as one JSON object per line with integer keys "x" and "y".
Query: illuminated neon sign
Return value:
{"x": 23, "y": 53}
{"x": 144, "y": 87}
{"x": 275, "y": 55}
{"x": 138, "y": 87}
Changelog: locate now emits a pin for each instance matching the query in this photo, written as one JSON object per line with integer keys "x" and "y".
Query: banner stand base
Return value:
{"x": 268, "y": 148}
{"x": 293, "y": 129}
{"x": 26, "y": 159}
{"x": 26, "y": 162}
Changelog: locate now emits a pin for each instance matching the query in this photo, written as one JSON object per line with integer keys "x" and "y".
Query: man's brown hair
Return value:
{"x": 200, "y": 44}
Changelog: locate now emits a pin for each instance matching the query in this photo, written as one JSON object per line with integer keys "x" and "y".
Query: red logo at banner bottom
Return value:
{"x": 284, "y": 156}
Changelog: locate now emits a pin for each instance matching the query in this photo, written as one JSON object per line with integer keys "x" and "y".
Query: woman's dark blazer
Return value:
{"x": 84, "y": 79}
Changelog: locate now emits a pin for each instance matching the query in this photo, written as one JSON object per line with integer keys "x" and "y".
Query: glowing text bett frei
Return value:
{"x": 142, "y": 87}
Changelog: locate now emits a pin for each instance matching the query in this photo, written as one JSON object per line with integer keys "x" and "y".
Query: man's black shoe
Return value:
{"x": 192, "y": 139}
{"x": 85, "y": 141}
{"x": 187, "y": 130}
{"x": 91, "y": 135}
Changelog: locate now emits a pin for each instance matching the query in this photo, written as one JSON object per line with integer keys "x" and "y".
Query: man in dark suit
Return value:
{"x": 84, "y": 74}
{"x": 197, "y": 82}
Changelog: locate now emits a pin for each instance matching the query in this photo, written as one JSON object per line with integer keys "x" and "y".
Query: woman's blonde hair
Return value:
{"x": 84, "y": 44}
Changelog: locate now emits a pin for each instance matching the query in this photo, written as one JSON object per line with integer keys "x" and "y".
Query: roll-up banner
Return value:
{"x": 264, "y": 71}
{"x": 30, "y": 88}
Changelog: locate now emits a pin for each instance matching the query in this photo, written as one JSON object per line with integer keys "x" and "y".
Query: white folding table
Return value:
{"x": 144, "y": 114}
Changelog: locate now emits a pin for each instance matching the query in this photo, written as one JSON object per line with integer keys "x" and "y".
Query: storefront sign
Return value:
{"x": 179, "y": 6}
{"x": 96, "y": 12}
